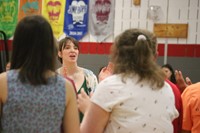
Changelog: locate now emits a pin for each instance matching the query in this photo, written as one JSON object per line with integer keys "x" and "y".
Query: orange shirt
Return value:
{"x": 191, "y": 108}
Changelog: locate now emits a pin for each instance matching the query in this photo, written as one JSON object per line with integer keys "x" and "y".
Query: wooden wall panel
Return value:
{"x": 171, "y": 30}
{"x": 136, "y": 2}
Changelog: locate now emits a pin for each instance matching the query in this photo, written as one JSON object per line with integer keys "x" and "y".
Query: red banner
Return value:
{"x": 101, "y": 19}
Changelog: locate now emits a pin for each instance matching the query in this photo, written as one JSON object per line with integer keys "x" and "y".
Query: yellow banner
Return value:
{"x": 53, "y": 10}
{"x": 29, "y": 7}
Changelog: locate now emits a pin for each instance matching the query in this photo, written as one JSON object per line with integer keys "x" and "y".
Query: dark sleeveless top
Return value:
{"x": 84, "y": 86}
{"x": 34, "y": 109}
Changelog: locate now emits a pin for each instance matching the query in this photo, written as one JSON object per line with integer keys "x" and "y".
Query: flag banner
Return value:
{"x": 29, "y": 7}
{"x": 76, "y": 18}
{"x": 8, "y": 16}
{"x": 101, "y": 19}
{"x": 53, "y": 11}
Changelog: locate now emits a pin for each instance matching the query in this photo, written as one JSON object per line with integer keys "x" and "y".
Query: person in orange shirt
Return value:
{"x": 191, "y": 109}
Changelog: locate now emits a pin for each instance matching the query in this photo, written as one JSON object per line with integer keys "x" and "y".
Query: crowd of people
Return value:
{"x": 132, "y": 94}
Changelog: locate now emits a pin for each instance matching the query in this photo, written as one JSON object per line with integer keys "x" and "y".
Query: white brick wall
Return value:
{"x": 127, "y": 15}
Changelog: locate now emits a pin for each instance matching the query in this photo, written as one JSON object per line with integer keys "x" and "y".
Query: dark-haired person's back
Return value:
{"x": 33, "y": 109}
{"x": 33, "y": 97}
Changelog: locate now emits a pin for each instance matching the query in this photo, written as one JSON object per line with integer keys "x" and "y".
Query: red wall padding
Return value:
{"x": 174, "y": 50}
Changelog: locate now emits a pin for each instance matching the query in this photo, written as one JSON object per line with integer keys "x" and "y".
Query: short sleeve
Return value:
{"x": 106, "y": 95}
{"x": 187, "y": 106}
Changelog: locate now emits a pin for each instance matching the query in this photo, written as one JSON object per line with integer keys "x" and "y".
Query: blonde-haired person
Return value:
{"x": 84, "y": 79}
{"x": 33, "y": 97}
{"x": 135, "y": 98}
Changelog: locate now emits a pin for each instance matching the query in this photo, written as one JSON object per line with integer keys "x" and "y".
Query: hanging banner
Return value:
{"x": 8, "y": 16}
{"x": 76, "y": 18}
{"x": 53, "y": 10}
{"x": 29, "y": 7}
{"x": 101, "y": 19}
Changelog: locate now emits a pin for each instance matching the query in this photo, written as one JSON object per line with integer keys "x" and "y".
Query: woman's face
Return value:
{"x": 69, "y": 53}
{"x": 167, "y": 72}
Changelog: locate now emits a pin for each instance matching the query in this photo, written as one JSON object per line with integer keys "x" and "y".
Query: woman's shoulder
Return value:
{"x": 87, "y": 71}
{"x": 3, "y": 86}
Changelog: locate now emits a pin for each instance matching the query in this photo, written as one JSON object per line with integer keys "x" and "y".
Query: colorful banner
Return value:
{"x": 101, "y": 19}
{"x": 53, "y": 10}
{"x": 76, "y": 18}
{"x": 29, "y": 7}
{"x": 8, "y": 16}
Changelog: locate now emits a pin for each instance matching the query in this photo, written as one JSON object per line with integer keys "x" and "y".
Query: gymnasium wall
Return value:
{"x": 182, "y": 53}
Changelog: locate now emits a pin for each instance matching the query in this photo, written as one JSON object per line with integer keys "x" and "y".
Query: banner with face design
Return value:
{"x": 76, "y": 18}
{"x": 53, "y": 10}
{"x": 101, "y": 19}
{"x": 8, "y": 16}
{"x": 29, "y": 7}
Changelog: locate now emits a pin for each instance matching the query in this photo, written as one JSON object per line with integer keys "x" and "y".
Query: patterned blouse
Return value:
{"x": 34, "y": 109}
{"x": 89, "y": 84}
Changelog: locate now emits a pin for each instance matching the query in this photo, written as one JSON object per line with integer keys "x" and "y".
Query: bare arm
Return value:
{"x": 3, "y": 90}
{"x": 71, "y": 122}
{"x": 95, "y": 119}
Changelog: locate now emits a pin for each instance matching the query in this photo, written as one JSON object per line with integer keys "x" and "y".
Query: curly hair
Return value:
{"x": 134, "y": 56}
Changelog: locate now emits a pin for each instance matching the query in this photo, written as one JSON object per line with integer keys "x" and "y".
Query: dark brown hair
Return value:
{"x": 172, "y": 77}
{"x": 34, "y": 49}
{"x": 63, "y": 42}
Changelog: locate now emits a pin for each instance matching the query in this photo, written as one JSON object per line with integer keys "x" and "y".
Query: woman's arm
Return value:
{"x": 71, "y": 122}
{"x": 95, "y": 119}
{"x": 3, "y": 90}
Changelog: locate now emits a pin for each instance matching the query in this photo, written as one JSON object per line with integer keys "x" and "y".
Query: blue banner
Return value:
{"x": 76, "y": 18}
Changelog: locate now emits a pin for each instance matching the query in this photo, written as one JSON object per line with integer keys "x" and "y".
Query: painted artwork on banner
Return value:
{"x": 101, "y": 19}
{"x": 29, "y": 7}
{"x": 8, "y": 16}
{"x": 53, "y": 10}
{"x": 76, "y": 18}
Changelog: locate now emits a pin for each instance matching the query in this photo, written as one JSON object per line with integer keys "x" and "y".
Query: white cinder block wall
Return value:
{"x": 127, "y": 15}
